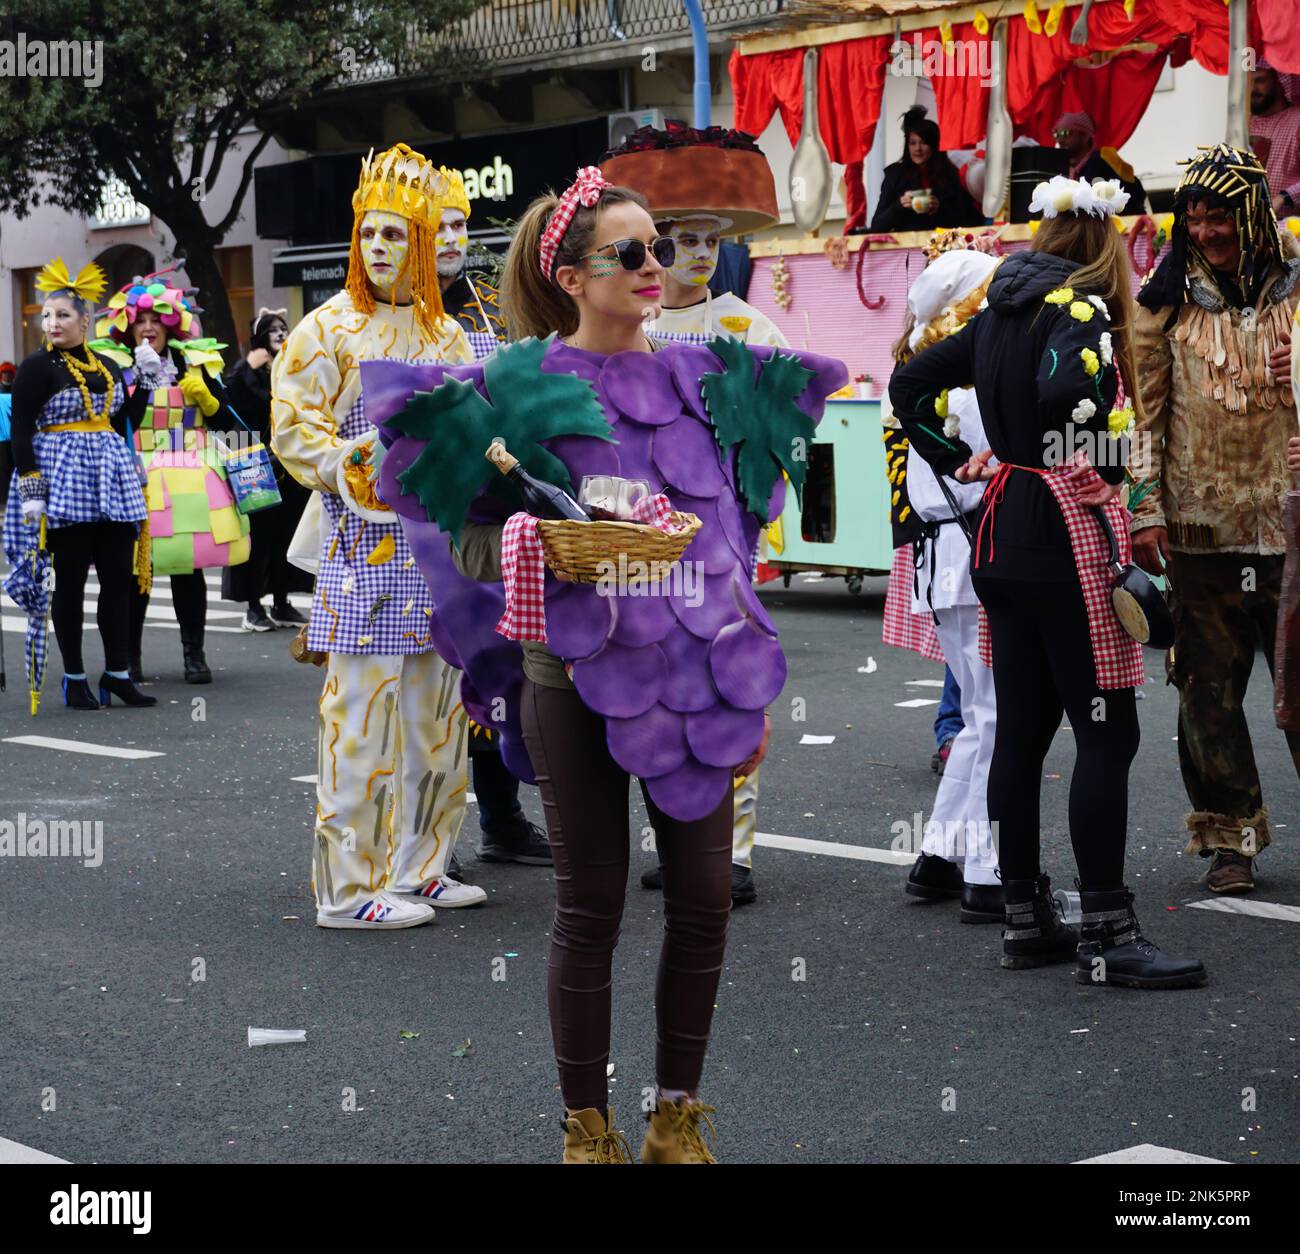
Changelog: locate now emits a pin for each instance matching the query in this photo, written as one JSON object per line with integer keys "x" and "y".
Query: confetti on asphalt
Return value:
{"x": 409, "y": 1036}
{"x": 465, "y": 1047}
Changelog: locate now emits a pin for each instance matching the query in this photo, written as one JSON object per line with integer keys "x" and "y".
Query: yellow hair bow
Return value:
{"x": 89, "y": 284}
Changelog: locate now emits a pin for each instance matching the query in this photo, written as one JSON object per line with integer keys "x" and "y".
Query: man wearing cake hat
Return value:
{"x": 392, "y": 760}
{"x": 703, "y": 186}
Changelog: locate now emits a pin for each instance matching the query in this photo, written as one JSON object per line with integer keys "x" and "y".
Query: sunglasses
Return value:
{"x": 631, "y": 252}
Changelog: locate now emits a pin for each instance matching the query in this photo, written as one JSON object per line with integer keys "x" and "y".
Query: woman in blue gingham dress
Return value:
{"x": 75, "y": 468}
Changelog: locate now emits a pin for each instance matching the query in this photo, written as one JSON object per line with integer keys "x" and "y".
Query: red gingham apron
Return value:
{"x": 1116, "y": 656}
{"x": 902, "y": 628}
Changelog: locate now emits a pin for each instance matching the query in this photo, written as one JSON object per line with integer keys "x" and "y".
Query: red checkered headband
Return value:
{"x": 585, "y": 190}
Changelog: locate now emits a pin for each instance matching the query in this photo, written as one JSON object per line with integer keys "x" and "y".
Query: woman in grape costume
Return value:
{"x": 670, "y": 687}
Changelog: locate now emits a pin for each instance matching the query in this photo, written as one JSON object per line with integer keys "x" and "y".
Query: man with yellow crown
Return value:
{"x": 507, "y": 834}
{"x": 392, "y": 775}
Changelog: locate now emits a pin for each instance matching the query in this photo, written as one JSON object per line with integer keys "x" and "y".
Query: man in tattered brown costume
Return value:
{"x": 1213, "y": 336}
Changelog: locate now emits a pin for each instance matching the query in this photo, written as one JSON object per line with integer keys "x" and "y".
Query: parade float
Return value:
{"x": 1002, "y": 73}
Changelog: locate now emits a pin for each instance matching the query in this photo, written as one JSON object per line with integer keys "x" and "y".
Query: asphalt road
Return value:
{"x": 904, "y": 1043}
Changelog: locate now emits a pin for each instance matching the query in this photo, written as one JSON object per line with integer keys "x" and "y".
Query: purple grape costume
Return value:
{"x": 682, "y": 686}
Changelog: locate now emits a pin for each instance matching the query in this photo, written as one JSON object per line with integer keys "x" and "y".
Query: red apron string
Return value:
{"x": 992, "y": 496}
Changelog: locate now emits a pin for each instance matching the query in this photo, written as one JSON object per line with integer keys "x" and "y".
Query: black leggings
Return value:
{"x": 189, "y": 596}
{"x": 109, "y": 547}
{"x": 585, "y": 797}
{"x": 1042, "y": 664}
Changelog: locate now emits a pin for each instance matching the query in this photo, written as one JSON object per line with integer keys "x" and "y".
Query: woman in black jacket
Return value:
{"x": 1044, "y": 359}
{"x": 925, "y": 178}
{"x": 248, "y": 392}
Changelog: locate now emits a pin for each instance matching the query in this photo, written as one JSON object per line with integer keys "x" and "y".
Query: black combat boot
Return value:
{"x": 1114, "y": 951}
{"x": 196, "y": 665}
{"x": 1034, "y": 934}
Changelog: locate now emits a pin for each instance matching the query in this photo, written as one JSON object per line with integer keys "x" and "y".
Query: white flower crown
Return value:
{"x": 1103, "y": 198}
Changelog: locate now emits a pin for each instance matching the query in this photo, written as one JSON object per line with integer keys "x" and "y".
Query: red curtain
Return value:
{"x": 1279, "y": 34}
{"x": 850, "y": 82}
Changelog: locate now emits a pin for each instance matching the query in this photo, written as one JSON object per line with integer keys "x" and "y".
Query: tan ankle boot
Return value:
{"x": 673, "y": 1134}
{"x": 589, "y": 1139}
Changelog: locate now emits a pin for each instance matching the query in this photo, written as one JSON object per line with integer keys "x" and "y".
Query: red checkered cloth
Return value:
{"x": 523, "y": 567}
{"x": 902, "y": 628}
{"x": 585, "y": 189}
{"x": 1281, "y": 156}
{"x": 523, "y": 571}
{"x": 1116, "y": 656}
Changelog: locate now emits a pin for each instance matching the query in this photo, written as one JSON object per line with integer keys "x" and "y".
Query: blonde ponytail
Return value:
{"x": 531, "y": 304}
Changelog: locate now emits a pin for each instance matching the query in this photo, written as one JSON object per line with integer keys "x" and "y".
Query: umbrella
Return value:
{"x": 1286, "y": 648}
{"x": 28, "y": 586}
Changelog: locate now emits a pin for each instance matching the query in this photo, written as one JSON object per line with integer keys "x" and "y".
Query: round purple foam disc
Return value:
{"x": 596, "y": 457}
{"x": 651, "y": 745}
{"x": 709, "y": 544}
{"x": 640, "y": 387}
{"x": 516, "y": 759}
{"x": 693, "y": 791}
{"x": 751, "y": 604}
{"x": 578, "y": 619}
{"x": 642, "y": 620}
{"x": 619, "y": 682}
{"x": 722, "y": 736}
{"x": 687, "y": 457}
{"x": 690, "y": 682}
{"x": 711, "y": 607}
{"x": 689, "y": 364}
{"x": 748, "y": 666}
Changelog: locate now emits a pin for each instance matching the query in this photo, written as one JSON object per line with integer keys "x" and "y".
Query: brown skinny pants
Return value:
{"x": 585, "y": 798}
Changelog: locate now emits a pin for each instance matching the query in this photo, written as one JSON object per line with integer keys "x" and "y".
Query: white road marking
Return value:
{"x": 915, "y": 703}
{"x": 832, "y": 849}
{"x": 924, "y": 683}
{"x": 1151, "y": 1154}
{"x": 1260, "y": 909}
{"x": 82, "y": 746}
{"x": 12, "y": 1152}
{"x": 817, "y": 740}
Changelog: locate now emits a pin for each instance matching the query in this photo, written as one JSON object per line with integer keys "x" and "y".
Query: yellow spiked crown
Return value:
{"x": 454, "y": 197}
{"x": 401, "y": 181}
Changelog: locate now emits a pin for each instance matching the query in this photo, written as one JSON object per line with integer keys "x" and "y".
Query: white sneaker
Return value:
{"x": 445, "y": 892}
{"x": 384, "y": 910}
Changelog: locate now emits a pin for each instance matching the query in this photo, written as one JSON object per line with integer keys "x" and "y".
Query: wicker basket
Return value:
{"x": 578, "y": 551}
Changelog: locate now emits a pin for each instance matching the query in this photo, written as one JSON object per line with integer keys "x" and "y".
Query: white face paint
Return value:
{"x": 452, "y": 243}
{"x": 385, "y": 245}
{"x": 697, "y": 241}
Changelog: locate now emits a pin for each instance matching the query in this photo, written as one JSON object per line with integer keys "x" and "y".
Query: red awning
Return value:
{"x": 1043, "y": 79}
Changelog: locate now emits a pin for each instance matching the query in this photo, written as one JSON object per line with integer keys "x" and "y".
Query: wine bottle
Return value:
{"x": 542, "y": 500}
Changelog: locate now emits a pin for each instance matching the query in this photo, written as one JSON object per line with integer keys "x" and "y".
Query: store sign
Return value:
{"x": 489, "y": 182}
{"x": 117, "y": 207}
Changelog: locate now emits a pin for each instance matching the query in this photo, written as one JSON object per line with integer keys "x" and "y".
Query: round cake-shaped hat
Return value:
{"x": 683, "y": 171}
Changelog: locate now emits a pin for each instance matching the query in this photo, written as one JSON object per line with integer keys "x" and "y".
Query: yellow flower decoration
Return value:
{"x": 941, "y": 404}
{"x": 981, "y": 22}
{"x": 1091, "y": 364}
{"x": 1082, "y": 310}
{"x": 1032, "y": 19}
{"x": 1120, "y": 422}
{"x": 1061, "y": 296}
{"x": 945, "y": 33}
{"x": 1053, "y": 23}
